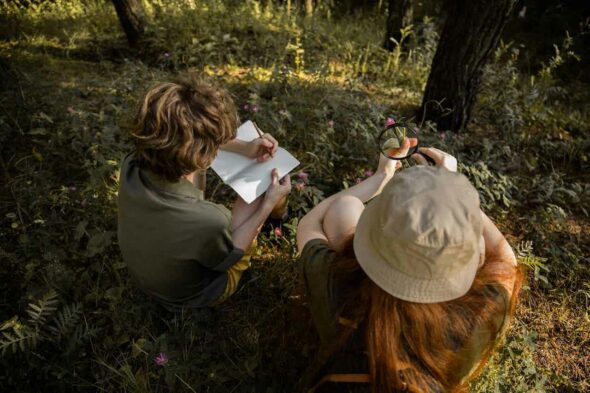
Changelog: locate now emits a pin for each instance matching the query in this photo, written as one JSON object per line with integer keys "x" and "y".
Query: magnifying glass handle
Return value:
{"x": 428, "y": 158}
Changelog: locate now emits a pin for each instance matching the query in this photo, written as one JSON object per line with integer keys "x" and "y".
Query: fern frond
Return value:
{"x": 65, "y": 320}
{"x": 82, "y": 333}
{"x": 85, "y": 332}
{"x": 525, "y": 256}
{"x": 19, "y": 339}
{"x": 43, "y": 308}
{"x": 9, "y": 324}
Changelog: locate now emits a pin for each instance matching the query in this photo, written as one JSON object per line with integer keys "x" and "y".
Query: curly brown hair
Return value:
{"x": 180, "y": 126}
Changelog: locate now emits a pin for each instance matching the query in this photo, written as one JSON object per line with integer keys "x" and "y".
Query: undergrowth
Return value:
{"x": 72, "y": 319}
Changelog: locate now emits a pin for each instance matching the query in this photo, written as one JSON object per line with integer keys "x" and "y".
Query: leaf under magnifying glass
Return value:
{"x": 392, "y": 146}
{"x": 391, "y": 143}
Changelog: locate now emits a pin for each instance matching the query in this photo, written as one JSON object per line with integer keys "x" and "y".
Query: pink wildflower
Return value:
{"x": 389, "y": 121}
{"x": 161, "y": 359}
{"x": 300, "y": 185}
{"x": 369, "y": 173}
{"x": 303, "y": 176}
{"x": 246, "y": 107}
{"x": 255, "y": 108}
{"x": 331, "y": 123}
{"x": 443, "y": 135}
{"x": 278, "y": 232}
{"x": 166, "y": 54}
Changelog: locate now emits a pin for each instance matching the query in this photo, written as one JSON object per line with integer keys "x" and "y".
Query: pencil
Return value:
{"x": 260, "y": 133}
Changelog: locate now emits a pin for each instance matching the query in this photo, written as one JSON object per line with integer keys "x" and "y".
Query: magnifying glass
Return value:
{"x": 392, "y": 138}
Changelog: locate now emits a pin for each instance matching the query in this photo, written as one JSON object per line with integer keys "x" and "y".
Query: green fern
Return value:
{"x": 82, "y": 333}
{"x": 17, "y": 337}
{"x": 39, "y": 312}
{"x": 65, "y": 320}
{"x": 525, "y": 256}
{"x": 20, "y": 339}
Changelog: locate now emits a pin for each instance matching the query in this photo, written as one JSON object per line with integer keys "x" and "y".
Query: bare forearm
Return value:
{"x": 243, "y": 235}
{"x": 235, "y": 146}
{"x": 363, "y": 191}
{"x": 495, "y": 242}
{"x": 368, "y": 188}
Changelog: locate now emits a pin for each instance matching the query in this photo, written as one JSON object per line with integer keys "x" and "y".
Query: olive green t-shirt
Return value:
{"x": 176, "y": 245}
{"x": 325, "y": 294}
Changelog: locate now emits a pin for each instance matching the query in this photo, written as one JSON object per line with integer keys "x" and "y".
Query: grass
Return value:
{"x": 73, "y": 321}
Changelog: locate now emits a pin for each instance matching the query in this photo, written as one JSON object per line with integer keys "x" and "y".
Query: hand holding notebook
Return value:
{"x": 248, "y": 177}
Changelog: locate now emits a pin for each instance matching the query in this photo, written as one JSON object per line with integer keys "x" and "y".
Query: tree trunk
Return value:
{"x": 131, "y": 16}
{"x": 469, "y": 36}
{"x": 308, "y": 7}
{"x": 400, "y": 15}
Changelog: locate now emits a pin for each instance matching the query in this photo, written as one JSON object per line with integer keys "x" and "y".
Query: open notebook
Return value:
{"x": 248, "y": 177}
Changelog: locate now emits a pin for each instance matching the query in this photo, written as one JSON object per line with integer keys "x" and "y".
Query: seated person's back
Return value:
{"x": 176, "y": 244}
{"x": 181, "y": 249}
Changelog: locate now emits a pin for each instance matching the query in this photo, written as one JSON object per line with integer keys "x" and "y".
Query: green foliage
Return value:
{"x": 494, "y": 188}
{"x": 513, "y": 368}
{"x": 18, "y": 339}
{"x": 525, "y": 256}
{"x": 324, "y": 87}
{"x": 62, "y": 331}
{"x": 17, "y": 336}
{"x": 40, "y": 310}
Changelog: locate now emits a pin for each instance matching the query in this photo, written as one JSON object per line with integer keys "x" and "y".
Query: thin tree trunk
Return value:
{"x": 131, "y": 16}
{"x": 308, "y": 7}
{"x": 469, "y": 36}
{"x": 400, "y": 15}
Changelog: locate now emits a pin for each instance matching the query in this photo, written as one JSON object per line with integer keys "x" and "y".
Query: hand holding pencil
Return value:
{"x": 265, "y": 147}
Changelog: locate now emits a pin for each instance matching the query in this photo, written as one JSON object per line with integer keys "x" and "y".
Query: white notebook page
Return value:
{"x": 248, "y": 177}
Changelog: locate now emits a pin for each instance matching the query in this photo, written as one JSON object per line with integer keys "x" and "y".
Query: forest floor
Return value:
{"x": 71, "y": 319}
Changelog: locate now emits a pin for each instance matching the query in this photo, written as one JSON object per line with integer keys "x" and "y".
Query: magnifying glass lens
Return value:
{"x": 392, "y": 138}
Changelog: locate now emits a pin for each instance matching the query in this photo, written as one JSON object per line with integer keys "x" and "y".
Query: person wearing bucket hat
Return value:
{"x": 412, "y": 291}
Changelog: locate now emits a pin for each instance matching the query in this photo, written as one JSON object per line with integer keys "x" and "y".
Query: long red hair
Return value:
{"x": 407, "y": 343}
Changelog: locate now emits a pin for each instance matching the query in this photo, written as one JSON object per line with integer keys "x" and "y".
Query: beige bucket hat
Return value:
{"x": 421, "y": 239}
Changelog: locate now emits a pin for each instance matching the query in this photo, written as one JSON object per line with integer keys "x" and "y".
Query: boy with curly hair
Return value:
{"x": 180, "y": 248}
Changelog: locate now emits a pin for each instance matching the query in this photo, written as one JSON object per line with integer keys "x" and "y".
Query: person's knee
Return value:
{"x": 345, "y": 204}
{"x": 341, "y": 219}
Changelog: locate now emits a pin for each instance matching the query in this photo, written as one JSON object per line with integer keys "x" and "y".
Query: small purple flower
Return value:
{"x": 300, "y": 185}
{"x": 246, "y": 107}
{"x": 162, "y": 359}
{"x": 443, "y": 135}
{"x": 369, "y": 173}
{"x": 331, "y": 123}
{"x": 166, "y": 54}
{"x": 303, "y": 176}
{"x": 278, "y": 232}
{"x": 255, "y": 108}
{"x": 389, "y": 121}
